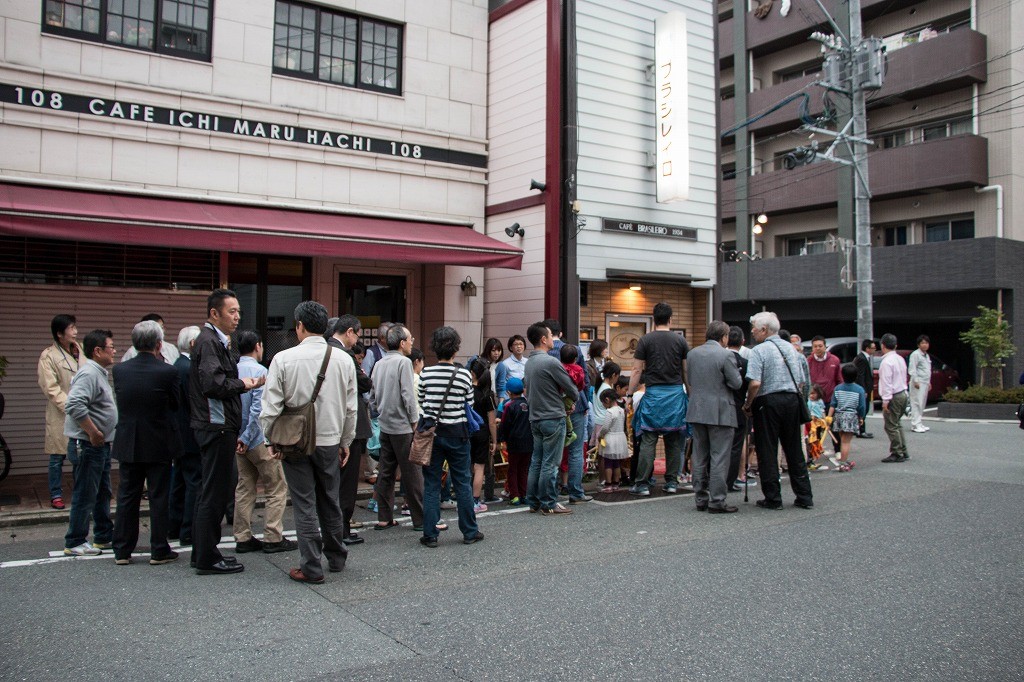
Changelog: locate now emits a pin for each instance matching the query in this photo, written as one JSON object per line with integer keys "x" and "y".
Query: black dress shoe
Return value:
{"x": 250, "y": 545}
{"x": 353, "y": 539}
{"x": 285, "y": 545}
{"x": 221, "y": 568}
{"x": 803, "y": 505}
{"x": 865, "y": 435}
{"x": 702, "y": 507}
{"x": 725, "y": 509}
{"x": 892, "y": 458}
{"x": 765, "y": 504}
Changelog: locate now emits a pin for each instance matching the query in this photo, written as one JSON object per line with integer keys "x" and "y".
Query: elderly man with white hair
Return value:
{"x": 147, "y": 390}
{"x": 778, "y": 377}
{"x": 187, "y": 471}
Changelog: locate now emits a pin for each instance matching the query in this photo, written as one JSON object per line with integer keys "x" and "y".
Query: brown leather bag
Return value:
{"x": 293, "y": 433}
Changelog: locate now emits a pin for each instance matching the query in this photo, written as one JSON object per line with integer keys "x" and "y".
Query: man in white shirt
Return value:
{"x": 892, "y": 388}
{"x": 313, "y": 481}
{"x": 920, "y": 367}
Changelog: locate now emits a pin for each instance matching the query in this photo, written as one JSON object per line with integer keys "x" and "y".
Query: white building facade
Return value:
{"x": 156, "y": 149}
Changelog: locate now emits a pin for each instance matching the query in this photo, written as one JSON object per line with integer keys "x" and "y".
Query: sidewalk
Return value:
{"x": 25, "y": 499}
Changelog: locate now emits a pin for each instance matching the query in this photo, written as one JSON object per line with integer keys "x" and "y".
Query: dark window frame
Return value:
{"x": 361, "y": 20}
{"x": 951, "y": 224}
{"x": 100, "y": 36}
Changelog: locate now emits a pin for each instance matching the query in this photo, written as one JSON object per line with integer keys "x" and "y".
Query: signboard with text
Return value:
{"x": 118, "y": 110}
{"x": 671, "y": 101}
{"x": 649, "y": 229}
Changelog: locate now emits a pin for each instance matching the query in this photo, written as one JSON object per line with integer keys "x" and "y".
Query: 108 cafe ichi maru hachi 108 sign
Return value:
{"x": 216, "y": 123}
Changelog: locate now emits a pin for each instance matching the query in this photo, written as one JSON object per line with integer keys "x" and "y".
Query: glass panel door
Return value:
{"x": 373, "y": 299}
{"x": 269, "y": 288}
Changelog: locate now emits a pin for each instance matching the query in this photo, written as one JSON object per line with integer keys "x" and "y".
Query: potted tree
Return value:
{"x": 989, "y": 337}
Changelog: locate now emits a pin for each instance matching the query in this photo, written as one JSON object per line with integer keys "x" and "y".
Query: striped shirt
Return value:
{"x": 434, "y": 381}
{"x": 850, "y": 398}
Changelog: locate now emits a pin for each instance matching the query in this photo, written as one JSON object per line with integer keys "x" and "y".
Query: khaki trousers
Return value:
{"x": 257, "y": 463}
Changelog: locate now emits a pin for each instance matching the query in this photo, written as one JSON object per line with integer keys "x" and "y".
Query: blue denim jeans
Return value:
{"x": 455, "y": 451}
{"x": 575, "y": 479}
{"x": 90, "y": 497}
{"x": 542, "y": 482}
{"x": 56, "y": 474}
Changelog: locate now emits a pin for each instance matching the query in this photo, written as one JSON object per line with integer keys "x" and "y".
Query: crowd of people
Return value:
{"x": 198, "y": 423}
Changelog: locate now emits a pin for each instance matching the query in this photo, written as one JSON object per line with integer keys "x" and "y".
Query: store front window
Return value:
{"x": 269, "y": 288}
{"x": 373, "y": 299}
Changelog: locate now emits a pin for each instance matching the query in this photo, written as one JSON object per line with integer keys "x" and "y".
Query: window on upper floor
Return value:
{"x": 946, "y": 229}
{"x": 337, "y": 47}
{"x": 920, "y": 33}
{"x": 807, "y": 244}
{"x": 729, "y": 171}
{"x": 176, "y": 27}
{"x": 726, "y": 92}
{"x": 937, "y": 131}
{"x": 891, "y": 235}
{"x": 798, "y": 71}
{"x": 925, "y": 132}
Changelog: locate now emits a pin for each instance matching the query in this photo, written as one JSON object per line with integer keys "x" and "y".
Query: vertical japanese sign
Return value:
{"x": 672, "y": 133}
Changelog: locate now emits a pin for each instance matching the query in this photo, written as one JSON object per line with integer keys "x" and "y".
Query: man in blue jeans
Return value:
{"x": 574, "y": 477}
{"x": 546, "y": 383}
{"x": 89, "y": 423}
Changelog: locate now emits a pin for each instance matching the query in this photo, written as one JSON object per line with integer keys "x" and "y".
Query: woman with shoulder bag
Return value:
{"x": 445, "y": 390}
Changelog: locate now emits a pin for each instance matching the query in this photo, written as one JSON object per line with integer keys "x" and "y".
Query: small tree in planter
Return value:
{"x": 989, "y": 337}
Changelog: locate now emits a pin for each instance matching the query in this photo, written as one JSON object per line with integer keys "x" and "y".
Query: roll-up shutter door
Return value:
{"x": 25, "y": 314}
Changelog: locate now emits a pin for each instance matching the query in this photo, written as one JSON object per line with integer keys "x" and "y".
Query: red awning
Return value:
{"x": 127, "y": 219}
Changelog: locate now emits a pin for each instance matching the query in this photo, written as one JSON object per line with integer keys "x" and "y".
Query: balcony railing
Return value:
{"x": 946, "y": 62}
{"x": 950, "y": 163}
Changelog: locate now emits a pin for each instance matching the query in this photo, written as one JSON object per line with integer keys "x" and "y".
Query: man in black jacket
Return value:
{"x": 213, "y": 391}
{"x": 147, "y": 440}
{"x": 343, "y": 333}
{"x": 865, "y": 377}
{"x": 736, "y": 340}
{"x": 187, "y": 472}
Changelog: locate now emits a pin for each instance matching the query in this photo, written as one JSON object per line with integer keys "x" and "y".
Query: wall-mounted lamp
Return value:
{"x": 539, "y": 186}
{"x": 762, "y": 218}
{"x": 757, "y": 229}
{"x": 635, "y": 287}
{"x": 468, "y": 288}
{"x": 514, "y": 229}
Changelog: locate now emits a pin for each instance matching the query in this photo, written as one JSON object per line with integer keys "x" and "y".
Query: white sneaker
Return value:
{"x": 919, "y": 429}
{"x": 84, "y": 549}
{"x": 834, "y": 460}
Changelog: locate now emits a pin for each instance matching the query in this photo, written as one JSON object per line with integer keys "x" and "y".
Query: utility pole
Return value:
{"x": 862, "y": 200}
{"x": 853, "y": 65}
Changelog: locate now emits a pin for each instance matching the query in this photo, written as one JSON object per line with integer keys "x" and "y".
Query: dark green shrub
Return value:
{"x": 986, "y": 394}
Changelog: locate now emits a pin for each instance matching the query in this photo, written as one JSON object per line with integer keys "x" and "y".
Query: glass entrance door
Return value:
{"x": 269, "y": 288}
{"x": 373, "y": 299}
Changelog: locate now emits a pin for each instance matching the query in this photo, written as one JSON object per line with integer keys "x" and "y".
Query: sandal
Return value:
{"x": 385, "y": 526}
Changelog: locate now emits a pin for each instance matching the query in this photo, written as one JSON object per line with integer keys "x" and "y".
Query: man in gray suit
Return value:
{"x": 712, "y": 415}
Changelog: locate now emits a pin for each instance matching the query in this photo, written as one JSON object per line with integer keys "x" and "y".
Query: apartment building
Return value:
{"x": 156, "y": 149}
{"x": 947, "y": 233}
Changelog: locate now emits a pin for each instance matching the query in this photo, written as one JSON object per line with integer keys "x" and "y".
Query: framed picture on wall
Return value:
{"x": 623, "y": 333}
{"x": 588, "y": 334}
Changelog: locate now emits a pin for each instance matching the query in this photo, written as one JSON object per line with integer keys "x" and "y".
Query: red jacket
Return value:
{"x": 825, "y": 373}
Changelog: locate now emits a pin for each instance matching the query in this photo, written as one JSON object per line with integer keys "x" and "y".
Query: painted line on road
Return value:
{"x": 226, "y": 542}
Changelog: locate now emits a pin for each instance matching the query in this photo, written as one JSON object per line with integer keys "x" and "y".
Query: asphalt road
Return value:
{"x": 901, "y": 571}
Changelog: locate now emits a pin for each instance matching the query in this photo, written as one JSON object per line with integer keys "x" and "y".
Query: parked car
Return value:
{"x": 944, "y": 377}
{"x": 843, "y": 347}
